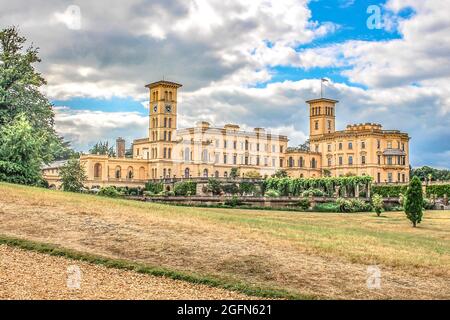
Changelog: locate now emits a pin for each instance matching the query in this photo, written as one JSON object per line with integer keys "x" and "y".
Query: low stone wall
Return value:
{"x": 280, "y": 202}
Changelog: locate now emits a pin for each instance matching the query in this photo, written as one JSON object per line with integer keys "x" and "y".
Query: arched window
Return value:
{"x": 118, "y": 172}
{"x": 169, "y": 153}
{"x": 156, "y": 95}
{"x": 225, "y": 174}
{"x": 130, "y": 173}
{"x": 165, "y": 122}
{"x": 313, "y": 162}
{"x": 170, "y": 122}
{"x": 291, "y": 162}
{"x": 187, "y": 173}
{"x": 300, "y": 162}
{"x": 166, "y": 96}
{"x": 98, "y": 170}
{"x": 165, "y": 153}
{"x": 216, "y": 174}
{"x": 205, "y": 173}
{"x": 170, "y": 95}
{"x": 187, "y": 154}
{"x": 170, "y": 136}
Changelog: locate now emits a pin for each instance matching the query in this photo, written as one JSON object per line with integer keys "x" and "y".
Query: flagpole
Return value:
{"x": 321, "y": 88}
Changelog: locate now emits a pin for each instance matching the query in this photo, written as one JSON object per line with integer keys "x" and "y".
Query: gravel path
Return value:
{"x": 30, "y": 275}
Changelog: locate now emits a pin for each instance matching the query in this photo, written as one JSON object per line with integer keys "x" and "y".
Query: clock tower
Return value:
{"x": 163, "y": 118}
{"x": 321, "y": 116}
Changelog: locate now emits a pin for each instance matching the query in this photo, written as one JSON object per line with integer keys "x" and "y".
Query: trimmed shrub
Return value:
{"x": 214, "y": 186}
{"x": 246, "y": 187}
{"x": 414, "y": 201}
{"x": 231, "y": 188}
{"x": 313, "y": 192}
{"x": 155, "y": 187}
{"x": 272, "y": 193}
{"x": 392, "y": 191}
{"x": 377, "y": 203}
{"x": 326, "y": 207}
{"x": 185, "y": 188}
{"x": 233, "y": 202}
{"x": 109, "y": 192}
{"x": 353, "y": 205}
{"x": 304, "y": 204}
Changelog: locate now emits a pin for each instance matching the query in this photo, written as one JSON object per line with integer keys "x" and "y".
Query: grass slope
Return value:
{"x": 266, "y": 253}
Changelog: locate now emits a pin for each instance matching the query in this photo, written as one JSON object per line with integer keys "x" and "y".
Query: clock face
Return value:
{"x": 168, "y": 108}
{"x": 155, "y": 108}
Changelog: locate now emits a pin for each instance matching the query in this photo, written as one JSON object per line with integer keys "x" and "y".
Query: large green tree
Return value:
{"x": 414, "y": 201}
{"x": 73, "y": 175}
{"x": 20, "y": 152}
{"x": 424, "y": 173}
{"x": 103, "y": 148}
{"x": 20, "y": 93}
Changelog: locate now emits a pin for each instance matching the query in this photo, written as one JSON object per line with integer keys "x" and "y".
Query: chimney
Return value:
{"x": 120, "y": 147}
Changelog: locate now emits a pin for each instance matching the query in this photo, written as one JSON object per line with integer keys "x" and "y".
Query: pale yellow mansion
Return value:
{"x": 207, "y": 151}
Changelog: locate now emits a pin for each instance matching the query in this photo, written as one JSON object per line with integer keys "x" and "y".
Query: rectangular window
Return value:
{"x": 379, "y": 177}
{"x": 266, "y": 162}
{"x": 340, "y": 161}
{"x": 340, "y": 145}
{"x": 379, "y": 159}
{"x": 350, "y": 160}
{"x": 225, "y": 159}
{"x": 316, "y": 125}
{"x": 281, "y": 162}
{"x": 234, "y": 159}
{"x": 389, "y": 160}
{"x": 257, "y": 147}
{"x": 246, "y": 161}
{"x": 329, "y": 148}
{"x": 273, "y": 148}
{"x": 273, "y": 162}
{"x": 390, "y": 177}
{"x": 389, "y": 145}
{"x": 398, "y": 177}
{"x": 378, "y": 144}
{"x": 329, "y": 162}
{"x": 225, "y": 144}
{"x": 281, "y": 149}
{"x": 216, "y": 158}
{"x": 234, "y": 145}
{"x": 363, "y": 145}
{"x": 363, "y": 159}
{"x": 257, "y": 161}
{"x": 350, "y": 146}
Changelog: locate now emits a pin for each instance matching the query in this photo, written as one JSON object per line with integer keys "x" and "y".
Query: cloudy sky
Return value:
{"x": 248, "y": 62}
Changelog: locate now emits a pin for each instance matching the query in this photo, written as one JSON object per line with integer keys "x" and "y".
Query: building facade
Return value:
{"x": 208, "y": 151}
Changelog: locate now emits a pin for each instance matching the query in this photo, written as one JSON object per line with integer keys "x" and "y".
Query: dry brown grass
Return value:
{"x": 319, "y": 254}
{"x": 31, "y": 275}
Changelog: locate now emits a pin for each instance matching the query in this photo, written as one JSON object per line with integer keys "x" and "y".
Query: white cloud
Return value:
{"x": 220, "y": 50}
{"x": 84, "y": 128}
